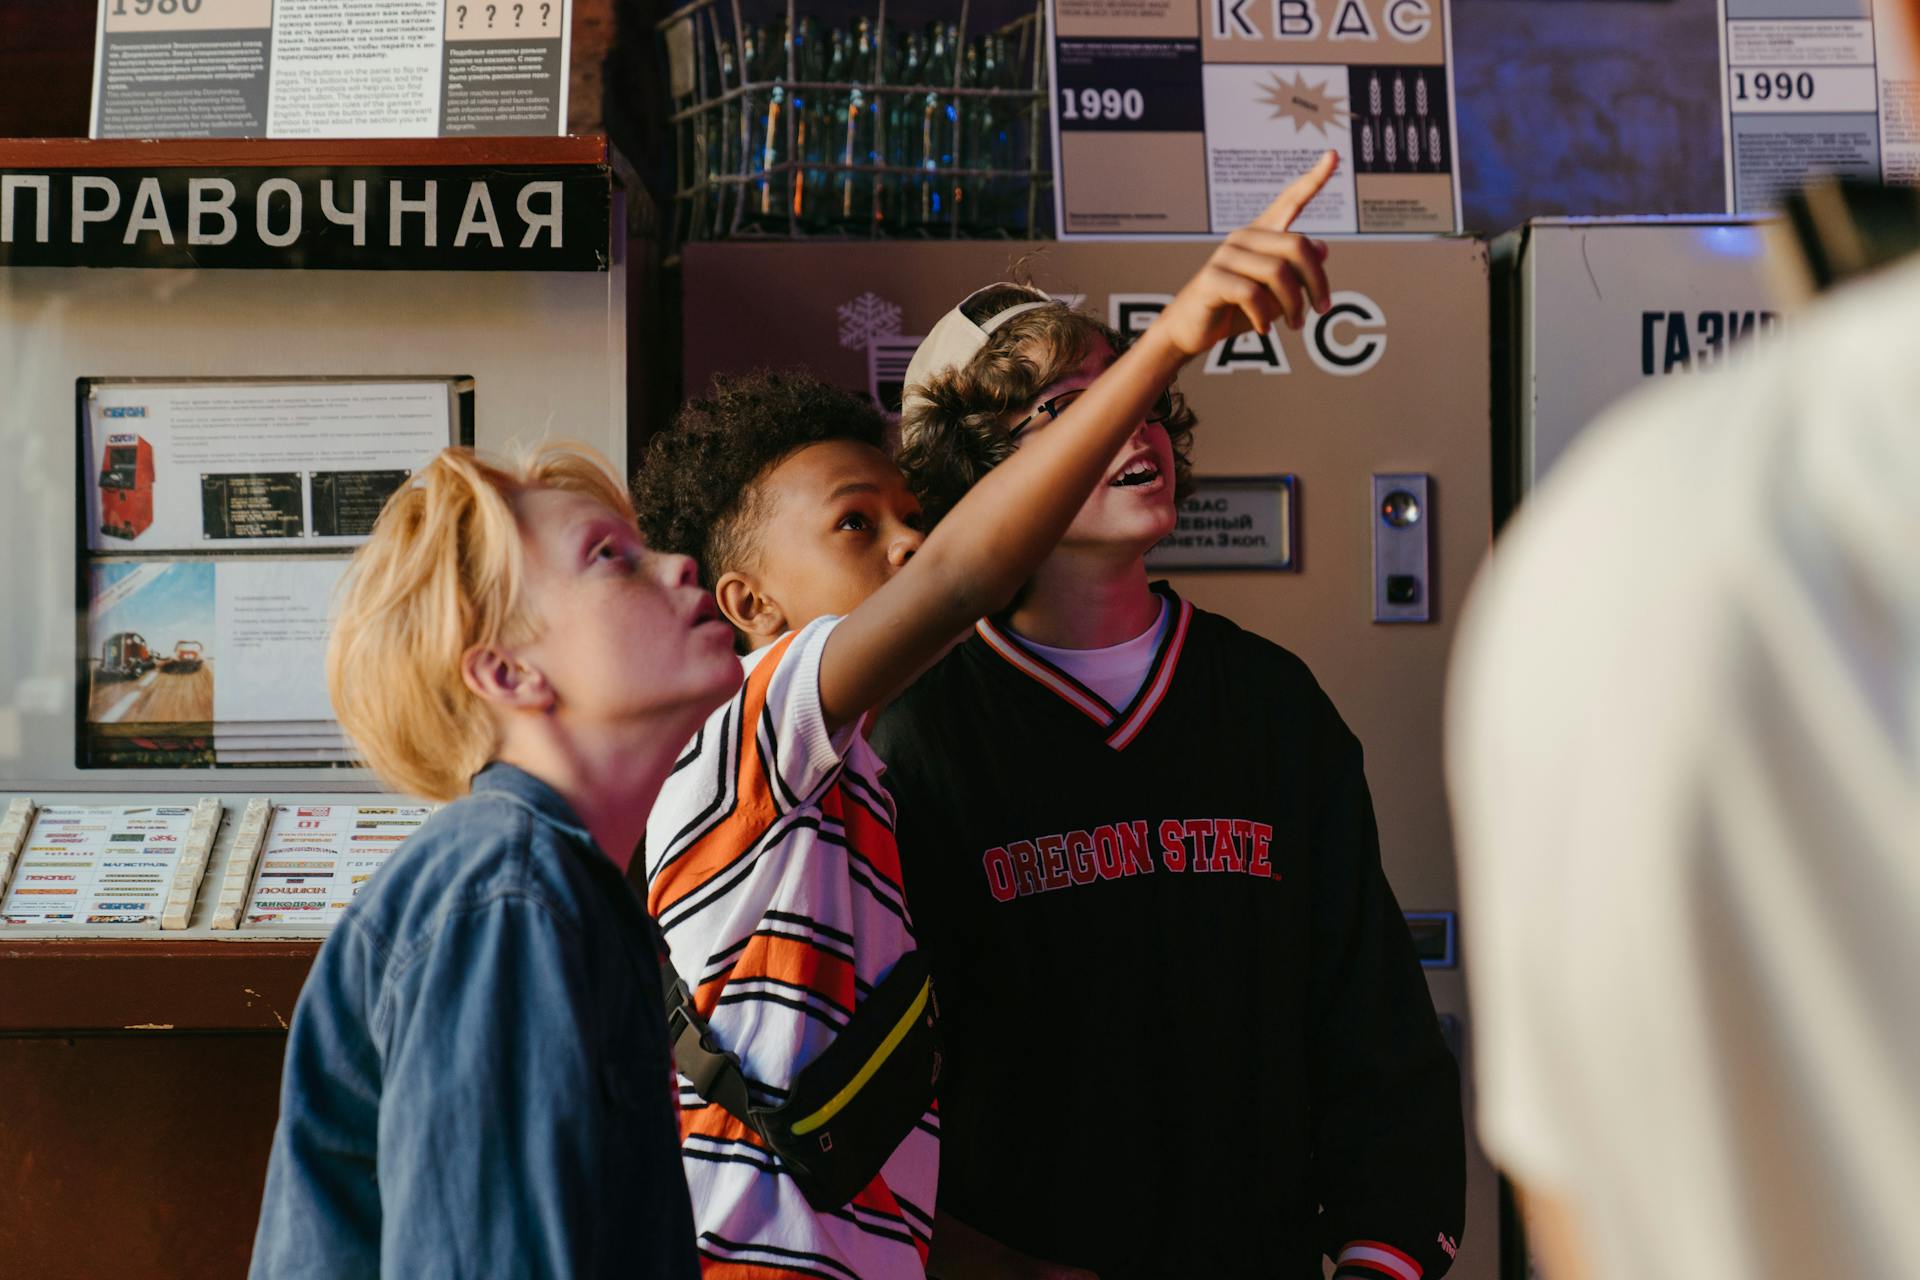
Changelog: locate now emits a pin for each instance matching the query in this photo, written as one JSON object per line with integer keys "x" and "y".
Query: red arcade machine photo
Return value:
{"x": 126, "y": 487}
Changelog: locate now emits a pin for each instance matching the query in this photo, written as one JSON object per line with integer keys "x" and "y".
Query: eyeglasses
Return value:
{"x": 1052, "y": 408}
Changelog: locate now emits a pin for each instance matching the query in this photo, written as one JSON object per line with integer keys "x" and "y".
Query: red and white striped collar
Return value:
{"x": 1123, "y": 725}
{"x": 1374, "y": 1258}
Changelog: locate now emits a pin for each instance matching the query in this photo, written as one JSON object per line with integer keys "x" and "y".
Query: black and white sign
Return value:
{"x": 405, "y": 218}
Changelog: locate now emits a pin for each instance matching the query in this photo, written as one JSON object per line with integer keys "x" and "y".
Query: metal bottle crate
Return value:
{"x": 784, "y": 129}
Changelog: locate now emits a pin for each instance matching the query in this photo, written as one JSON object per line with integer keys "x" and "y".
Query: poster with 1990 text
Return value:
{"x": 1186, "y": 117}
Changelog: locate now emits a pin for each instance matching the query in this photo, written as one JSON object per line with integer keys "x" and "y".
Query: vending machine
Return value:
{"x": 1593, "y": 309}
{"x": 1343, "y": 484}
{"x": 126, "y": 487}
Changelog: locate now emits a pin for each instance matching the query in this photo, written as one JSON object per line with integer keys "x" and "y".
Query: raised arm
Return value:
{"x": 994, "y": 539}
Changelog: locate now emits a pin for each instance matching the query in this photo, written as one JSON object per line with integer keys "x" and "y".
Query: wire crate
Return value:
{"x": 785, "y": 128}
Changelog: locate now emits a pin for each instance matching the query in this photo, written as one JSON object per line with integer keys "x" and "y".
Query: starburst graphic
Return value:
{"x": 1308, "y": 106}
{"x": 867, "y": 317}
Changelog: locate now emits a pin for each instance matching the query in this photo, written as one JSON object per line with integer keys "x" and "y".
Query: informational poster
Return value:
{"x": 219, "y": 517}
{"x": 317, "y": 857}
{"x": 330, "y": 68}
{"x": 97, "y": 865}
{"x": 1187, "y": 117}
{"x": 244, "y": 466}
{"x": 231, "y": 649}
{"x": 1815, "y": 87}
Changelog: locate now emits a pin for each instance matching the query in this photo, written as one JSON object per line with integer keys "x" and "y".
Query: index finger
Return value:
{"x": 1299, "y": 194}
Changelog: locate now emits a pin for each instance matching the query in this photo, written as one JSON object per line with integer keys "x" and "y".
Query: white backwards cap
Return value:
{"x": 958, "y": 338}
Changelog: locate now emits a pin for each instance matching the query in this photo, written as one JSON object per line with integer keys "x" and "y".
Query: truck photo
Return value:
{"x": 125, "y": 656}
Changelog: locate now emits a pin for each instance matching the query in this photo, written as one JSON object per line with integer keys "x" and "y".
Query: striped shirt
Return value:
{"x": 772, "y": 869}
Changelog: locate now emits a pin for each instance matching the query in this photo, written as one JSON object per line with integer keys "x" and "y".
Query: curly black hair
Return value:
{"x": 954, "y": 430}
{"x": 697, "y": 490}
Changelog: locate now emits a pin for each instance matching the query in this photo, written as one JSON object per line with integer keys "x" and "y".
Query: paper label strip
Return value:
{"x": 247, "y": 839}
{"x": 193, "y": 863}
{"x": 13, "y": 834}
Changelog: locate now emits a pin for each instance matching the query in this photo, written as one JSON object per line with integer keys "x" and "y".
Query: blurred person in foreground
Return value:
{"x": 1684, "y": 756}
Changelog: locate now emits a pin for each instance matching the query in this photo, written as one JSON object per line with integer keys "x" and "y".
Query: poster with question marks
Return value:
{"x": 331, "y": 68}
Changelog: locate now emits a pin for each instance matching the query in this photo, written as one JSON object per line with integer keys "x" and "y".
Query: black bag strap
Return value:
{"x": 715, "y": 1073}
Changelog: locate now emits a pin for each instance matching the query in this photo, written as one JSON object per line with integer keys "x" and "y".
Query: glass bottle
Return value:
{"x": 937, "y": 119}
{"x": 976, "y": 118}
{"x": 1005, "y": 205}
{"x": 753, "y": 131}
{"x": 809, "y": 107}
{"x": 725, "y": 124}
{"x": 854, "y": 191}
{"x": 903, "y": 132}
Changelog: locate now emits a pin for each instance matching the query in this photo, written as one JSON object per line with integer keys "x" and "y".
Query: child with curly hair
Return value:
{"x": 1144, "y": 858}
{"x": 771, "y": 860}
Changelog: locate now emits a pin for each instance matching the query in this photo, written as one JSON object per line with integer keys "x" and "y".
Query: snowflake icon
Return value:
{"x": 867, "y": 317}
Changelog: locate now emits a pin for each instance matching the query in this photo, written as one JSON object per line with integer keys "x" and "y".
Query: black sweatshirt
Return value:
{"x": 1186, "y": 1031}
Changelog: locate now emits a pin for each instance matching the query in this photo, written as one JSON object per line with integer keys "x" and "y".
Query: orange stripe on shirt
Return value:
{"x": 715, "y": 1269}
{"x": 878, "y": 1198}
{"x": 791, "y": 960}
{"x": 715, "y": 1121}
{"x": 753, "y": 809}
{"x": 865, "y": 833}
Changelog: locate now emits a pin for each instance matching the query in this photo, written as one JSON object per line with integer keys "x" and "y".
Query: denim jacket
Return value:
{"x": 477, "y": 1075}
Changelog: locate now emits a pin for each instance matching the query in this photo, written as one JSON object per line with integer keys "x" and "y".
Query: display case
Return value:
{"x": 218, "y": 359}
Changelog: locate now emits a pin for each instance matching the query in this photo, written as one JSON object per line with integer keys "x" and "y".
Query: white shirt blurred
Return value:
{"x": 1684, "y": 754}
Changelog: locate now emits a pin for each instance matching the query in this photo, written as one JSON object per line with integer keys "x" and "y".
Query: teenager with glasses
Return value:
{"x": 1186, "y": 1031}
{"x": 1049, "y": 409}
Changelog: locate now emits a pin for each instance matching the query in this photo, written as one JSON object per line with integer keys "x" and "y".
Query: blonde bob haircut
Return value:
{"x": 443, "y": 573}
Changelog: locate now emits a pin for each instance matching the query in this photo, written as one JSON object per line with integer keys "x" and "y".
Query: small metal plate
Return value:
{"x": 1232, "y": 522}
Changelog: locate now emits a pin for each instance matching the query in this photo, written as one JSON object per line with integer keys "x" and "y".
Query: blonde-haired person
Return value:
{"x": 476, "y": 1075}
{"x": 1186, "y": 1033}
